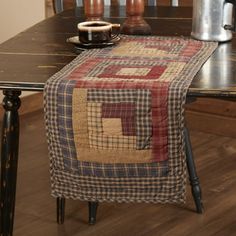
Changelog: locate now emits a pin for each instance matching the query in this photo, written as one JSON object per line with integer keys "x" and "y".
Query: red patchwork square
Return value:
{"x": 132, "y": 72}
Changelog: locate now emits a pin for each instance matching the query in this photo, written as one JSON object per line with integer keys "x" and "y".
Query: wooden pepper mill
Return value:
{"x": 93, "y": 9}
{"x": 135, "y": 24}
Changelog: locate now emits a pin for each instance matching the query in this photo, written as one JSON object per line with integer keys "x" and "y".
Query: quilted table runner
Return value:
{"x": 114, "y": 120}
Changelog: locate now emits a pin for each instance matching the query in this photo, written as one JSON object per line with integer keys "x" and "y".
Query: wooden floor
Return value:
{"x": 35, "y": 209}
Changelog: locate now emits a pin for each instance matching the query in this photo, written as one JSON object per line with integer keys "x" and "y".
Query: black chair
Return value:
{"x": 59, "y": 4}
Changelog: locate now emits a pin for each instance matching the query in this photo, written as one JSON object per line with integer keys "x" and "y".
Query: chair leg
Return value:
{"x": 193, "y": 178}
{"x": 92, "y": 212}
{"x": 60, "y": 210}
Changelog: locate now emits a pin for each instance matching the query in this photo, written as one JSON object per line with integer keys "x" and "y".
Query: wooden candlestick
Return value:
{"x": 94, "y": 9}
{"x": 135, "y": 24}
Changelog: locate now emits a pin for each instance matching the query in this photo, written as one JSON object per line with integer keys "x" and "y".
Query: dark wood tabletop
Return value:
{"x": 31, "y": 57}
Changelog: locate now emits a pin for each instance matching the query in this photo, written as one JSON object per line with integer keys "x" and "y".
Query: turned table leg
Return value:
{"x": 92, "y": 212}
{"x": 8, "y": 161}
{"x": 193, "y": 178}
{"x": 61, "y": 201}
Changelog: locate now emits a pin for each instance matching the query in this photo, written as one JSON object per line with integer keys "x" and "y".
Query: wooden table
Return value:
{"x": 31, "y": 57}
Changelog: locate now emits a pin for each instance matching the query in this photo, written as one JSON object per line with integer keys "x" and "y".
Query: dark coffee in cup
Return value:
{"x": 95, "y": 32}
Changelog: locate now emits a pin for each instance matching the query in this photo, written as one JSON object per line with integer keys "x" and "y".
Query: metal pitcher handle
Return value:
{"x": 231, "y": 27}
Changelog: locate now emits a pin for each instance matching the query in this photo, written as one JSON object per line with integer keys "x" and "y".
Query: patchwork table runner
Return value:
{"x": 114, "y": 119}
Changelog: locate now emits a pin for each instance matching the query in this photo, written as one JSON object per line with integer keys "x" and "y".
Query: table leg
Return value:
{"x": 193, "y": 178}
{"x": 8, "y": 161}
{"x": 92, "y": 212}
{"x": 61, "y": 202}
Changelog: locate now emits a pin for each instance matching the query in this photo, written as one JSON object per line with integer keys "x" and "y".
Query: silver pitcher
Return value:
{"x": 213, "y": 20}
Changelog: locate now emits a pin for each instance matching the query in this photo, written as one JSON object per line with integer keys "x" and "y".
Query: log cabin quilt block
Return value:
{"x": 114, "y": 119}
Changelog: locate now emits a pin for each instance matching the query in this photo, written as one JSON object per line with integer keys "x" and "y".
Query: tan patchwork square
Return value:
{"x": 137, "y": 49}
{"x": 133, "y": 71}
{"x": 173, "y": 69}
{"x": 112, "y": 126}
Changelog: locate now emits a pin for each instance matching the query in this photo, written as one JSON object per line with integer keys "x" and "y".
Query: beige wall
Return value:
{"x": 18, "y": 15}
